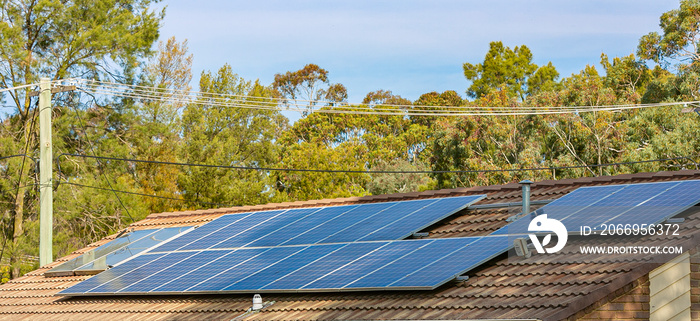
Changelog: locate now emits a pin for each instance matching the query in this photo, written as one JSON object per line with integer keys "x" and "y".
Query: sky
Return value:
{"x": 410, "y": 47}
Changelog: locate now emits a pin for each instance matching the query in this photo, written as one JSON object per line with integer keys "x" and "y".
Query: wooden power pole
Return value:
{"x": 45, "y": 174}
{"x": 46, "y": 169}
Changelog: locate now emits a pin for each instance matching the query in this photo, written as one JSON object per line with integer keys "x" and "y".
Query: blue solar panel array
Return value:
{"x": 360, "y": 247}
{"x": 647, "y": 203}
{"x": 369, "y": 265}
{"x": 334, "y": 224}
{"x": 352, "y": 247}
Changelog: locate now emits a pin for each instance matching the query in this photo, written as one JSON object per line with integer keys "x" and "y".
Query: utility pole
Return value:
{"x": 46, "y": 168}
{"x": 45, "y": 174}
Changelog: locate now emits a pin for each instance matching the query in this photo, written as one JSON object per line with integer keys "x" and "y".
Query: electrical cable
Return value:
{"x": 268, "y": 103}
{"x": 375, "y": 172}
{"x": 26, "y": 148}
{"x": 142, "y": 194}
{"x": 371, "y": 172}
{"x": 156, "y": 92}
{"x": 415, "y": 111}
{"x": 18, "y": 155}
{"x": 18, "y": 87}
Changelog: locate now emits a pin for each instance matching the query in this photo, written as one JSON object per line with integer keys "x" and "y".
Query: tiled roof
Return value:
{"x": 548, "y": 287}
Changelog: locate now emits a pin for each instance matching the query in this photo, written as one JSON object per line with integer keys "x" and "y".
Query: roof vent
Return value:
{"x": 257, "y": 302}
{"x": 526, "y": 196}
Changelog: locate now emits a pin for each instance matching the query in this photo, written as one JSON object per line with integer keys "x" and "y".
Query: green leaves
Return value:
{"x": 225, "y": 135}
{"x": 508, "y": 68}
{"x": 680, "y": 39}
{"x": 304, "y": 87}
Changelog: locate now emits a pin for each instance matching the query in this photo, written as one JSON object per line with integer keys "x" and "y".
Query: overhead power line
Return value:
{"x": 319, "y": 106}
{"x": 377, "y": 171}
{"x": 690, "y": 158}
{"x": 18, "y": 87}
{"x": 142, "y": 194}
{"x": 18, "y": 155}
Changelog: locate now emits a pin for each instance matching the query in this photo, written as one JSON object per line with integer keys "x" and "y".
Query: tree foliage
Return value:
{"x": 680, "y": 38}
{"x": 216, "y": 134}
{"x": 306, "y": 86}
{"x": 60, "y": 39}
{"x": 511, "y": 69}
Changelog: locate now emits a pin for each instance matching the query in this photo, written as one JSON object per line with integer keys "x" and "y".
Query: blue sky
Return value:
{"x": 409, "y": 47}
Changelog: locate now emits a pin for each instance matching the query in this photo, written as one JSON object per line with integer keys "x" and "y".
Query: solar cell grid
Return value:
{"x": 283, "y": 233}
{"x": 371, "y": 262}
{"x": 430, "y": 212}
{"x": 102, "y": 251}
{"x": 406, "y": 265}
{"x": 167, "y": 274}
{"x": 218, "y": 261}
{"x": 358, "y": 247}
{"x": 231, "y": 231}
{"x": 260, "y": 251}
{"x": 111, "y": 274}
{"x": 570, "y": 204}
{"x": 622, "y": 201}
{"x": 201, "y": 231}
{"x": 362, "y": 229}
{"x": 647, "y": 203}
{"x": 298, "y": 232}
{"x": 273, "y": 272}
{"x": 343, "y": 223}
{"x": 140, "y": 273}
{"x": 236, "y": 272}
{"x": 444, "y": 267}
{"x": 668, "y": 203}
{"x": 133, "y": 248}
{"x": 334, "y": 224}
{"x": 349, "y": 266}
{"x": 316, "y": 269}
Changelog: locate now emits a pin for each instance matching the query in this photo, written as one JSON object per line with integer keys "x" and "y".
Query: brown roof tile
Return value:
{"x": 545, "y": 287}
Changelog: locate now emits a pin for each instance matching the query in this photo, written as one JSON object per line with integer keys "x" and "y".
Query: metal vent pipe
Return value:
{"x": 526, "y": 196}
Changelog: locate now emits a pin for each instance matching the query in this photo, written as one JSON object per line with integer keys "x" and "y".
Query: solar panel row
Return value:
{"x": 648, "y": 203}
{"x": 359, "y": 247}
{"x": 407, "y": 264}
{"x": 334, "y": 224}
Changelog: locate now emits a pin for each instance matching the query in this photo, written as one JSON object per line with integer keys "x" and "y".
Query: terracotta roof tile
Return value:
{"x": 538, "y": 287}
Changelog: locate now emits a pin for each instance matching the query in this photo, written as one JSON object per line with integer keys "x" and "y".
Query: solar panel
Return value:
{"x": 333, "y": 224}
{"x": 647, "y": 203}
{"x": 130, "y": 250}
{"x": 99, "y": 252}
{"x": 115, "y": 251}
{"x": 237, "y": 224}
{"x": 370, "y": 265}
